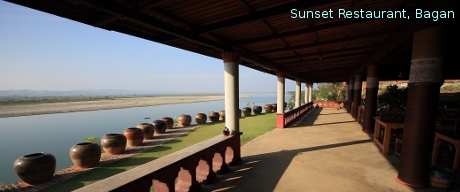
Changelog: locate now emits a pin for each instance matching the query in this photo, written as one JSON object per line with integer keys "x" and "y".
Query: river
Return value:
{"x": 56, "y": 133}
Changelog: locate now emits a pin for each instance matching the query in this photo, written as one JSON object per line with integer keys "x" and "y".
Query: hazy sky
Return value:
{"x": 41, "y": 51}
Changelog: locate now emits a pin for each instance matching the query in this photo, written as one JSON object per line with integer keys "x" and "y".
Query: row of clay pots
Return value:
{"x": 39, "y": 168}
{"x": 200, "y": 118}
{"x": 272, "y": 107}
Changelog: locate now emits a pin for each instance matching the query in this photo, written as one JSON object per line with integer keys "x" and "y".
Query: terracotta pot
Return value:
{"x": 147, "y": 128}
{"x": 159, "y": 126}
{"x": 284, "y": 106}
{"x": 134, "y": 136}
{"x": 222, "y": 115}
{"x": 36, "y": 168}
{"x": 169, "y": 122}
{"x": 85, "y": 155}
{"x": 247, "y": 111}
{"x": 239, "y": 113}
{"x": 213, "y": 116}
{"x": 113, "y": 143}
{"x": 257, "y": 110}
{"x": 274, "y": 107}
{"x": 200, "y": 118}
{"x": 184, "y": 120}
{"x": 268, "y": 108}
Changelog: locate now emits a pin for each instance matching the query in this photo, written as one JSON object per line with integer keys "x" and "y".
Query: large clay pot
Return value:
{"x": 274, "y": 107}
{"x": 247, "y": 111}
{"x": 268, "y": 108}
{"x": 284, "y": 106}
{"x": 213, "y": 116}
{"x": 257, "y": 110}
{"x": 36, "y": 168}
{"x": 113, "y": 143}
{"x": 85, "y": 155}
{"x": 147, "y": 128}
{"x": 239, "y": 113}
{"x": 159, "y": 126}
{"x": 169, "y": 122}
{"x": 222, "y": 115}
{"x": 134, "y": 136}
{"x": 200, "y": 118}
{"x": 184, "y": 120}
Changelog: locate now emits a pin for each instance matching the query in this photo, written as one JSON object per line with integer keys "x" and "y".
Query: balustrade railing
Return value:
{"x": 330, "y": 104}
{"x": 193, "y": 166}
{"x": 285, "y": 118}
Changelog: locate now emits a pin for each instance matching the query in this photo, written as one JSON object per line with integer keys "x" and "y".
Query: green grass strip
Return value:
{"x": 251, "y": 126}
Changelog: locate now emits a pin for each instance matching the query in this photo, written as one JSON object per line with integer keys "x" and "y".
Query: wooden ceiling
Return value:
{"x": 269, "y": 40}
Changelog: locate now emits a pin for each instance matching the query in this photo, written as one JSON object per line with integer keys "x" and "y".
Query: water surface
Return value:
{"x": 56, "y": 133}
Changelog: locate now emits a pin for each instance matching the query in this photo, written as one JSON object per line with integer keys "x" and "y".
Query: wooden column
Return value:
{"x": 349, "y": 95}
{"x": 347, "y": 92}
{"x": 370, "y": 108}
{"x": 356, "y": 96}
{"x": 425, "y": 80}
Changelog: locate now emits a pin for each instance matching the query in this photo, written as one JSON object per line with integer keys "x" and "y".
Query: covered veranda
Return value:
{"x": 262, "y": 35}
{"x": 324, "y": 151}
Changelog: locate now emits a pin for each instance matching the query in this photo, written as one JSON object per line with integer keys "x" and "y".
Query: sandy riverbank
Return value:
{"x": 65, "y": 107}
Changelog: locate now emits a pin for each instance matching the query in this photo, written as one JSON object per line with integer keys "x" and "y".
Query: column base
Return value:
{"x": 412, "y": 185}
{"x": 280, "y": 121}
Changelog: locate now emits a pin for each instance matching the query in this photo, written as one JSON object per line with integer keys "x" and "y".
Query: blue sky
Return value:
{"x": 40, "y": 51}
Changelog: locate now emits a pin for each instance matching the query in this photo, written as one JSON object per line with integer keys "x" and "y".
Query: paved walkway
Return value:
{"x": 325, "y": 151}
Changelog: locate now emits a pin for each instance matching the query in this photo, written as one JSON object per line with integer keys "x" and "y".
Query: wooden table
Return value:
{"x": 455, "y": 142}
{"x": 385, "y": 146}
{"x": 360, "y": 113}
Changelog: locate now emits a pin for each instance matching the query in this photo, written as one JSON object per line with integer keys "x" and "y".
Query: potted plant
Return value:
{"x": 394, "y": 97}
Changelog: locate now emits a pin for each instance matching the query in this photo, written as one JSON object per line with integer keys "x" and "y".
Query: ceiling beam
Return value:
{"x": 244, "y": 6}
{"x": 315, "y": 75}
{"x": 325, "y": 64}
{"x": 147, "y": 4}
{"x": 169, "y": 17}
{"x": 349, "y": 38}
{"x": 104, "y": 19}
{"x": 259, "y": 15}
{"x": 365, "y": 48}
{"x": 329, "y": 77}
{"x": 255, "y": 16}
{"x": 325, "y": 58}
{"x": 301, "y": 31}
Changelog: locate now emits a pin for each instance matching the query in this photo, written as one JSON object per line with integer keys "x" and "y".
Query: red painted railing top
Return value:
{"x": 283, "y": 119}
{"x": 298, "y": 109}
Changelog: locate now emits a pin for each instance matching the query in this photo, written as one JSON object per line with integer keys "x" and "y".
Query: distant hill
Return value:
{"x": 45, "y": 93}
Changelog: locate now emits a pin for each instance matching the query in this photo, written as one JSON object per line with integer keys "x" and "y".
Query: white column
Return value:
{"x": 231, "y": 75}
{"x": 297, "y": 93}
{"x": 310, "y": 88}
{"x": 306, "y": 92}
{"x": 280, "y": 93}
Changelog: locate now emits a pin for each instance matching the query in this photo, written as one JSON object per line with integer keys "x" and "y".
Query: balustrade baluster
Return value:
{"x": 204, "y": 172}
{"x": 218, "y": 162}
{"x": 165, "y": 182}
{"x": 186, "y": 180}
